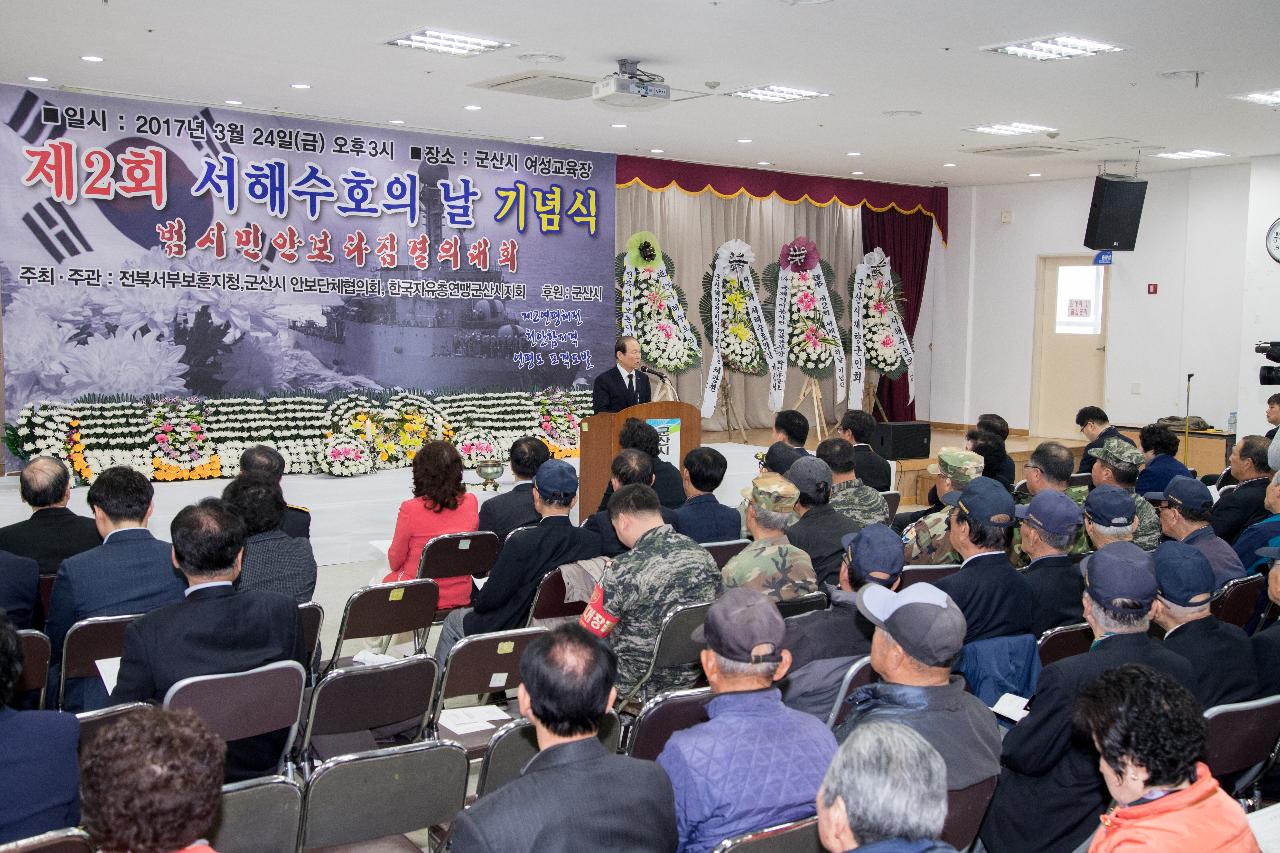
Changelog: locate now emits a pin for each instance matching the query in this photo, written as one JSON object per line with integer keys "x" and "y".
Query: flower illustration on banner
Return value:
{"x": 138, "y": 365}
{"x": 651, "y": 308}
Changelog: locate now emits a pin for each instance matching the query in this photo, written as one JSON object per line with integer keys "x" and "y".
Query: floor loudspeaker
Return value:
{"x": 902, "y": 440}
{"x": 1114, "y": 213}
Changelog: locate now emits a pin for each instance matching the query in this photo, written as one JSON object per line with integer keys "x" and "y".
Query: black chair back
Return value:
{"x": 893, "y": 500}
{"x": 58, "y": 841}
{"x": 311, "y": 619}
{"x": 966, "y": 807}
{"x": 859, "y": 674}
{"x": 675, "y": 646}
{"x": 385, "y": 609}
{"x": 89, "y": 641}
{"x": 1067, "y": 641}
{"x": 723, "y": 552}
{"x": 1080, "y": 480}
{"x": 664, "y": 715}
{"x": 926, "y": 574}
{"x": 1237, "y": 601}
{"x": 548, "y": 601}
{"x": 456, "y": 555}
{"x": 799, "y": 836}
{"x": 258, "y": 816}
{"x": 803, "y": 604}
{"x": 515, "y": 744}
{"x": 1242, "y": 736}
{"x": 359, "y": 699}
{"x": 36, "y": 651}
{"x": 92, "y": 723}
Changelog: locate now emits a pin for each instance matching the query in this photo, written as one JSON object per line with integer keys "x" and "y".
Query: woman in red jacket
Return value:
{"x": 440, "y": 504}
{"x": 1149, "y": 730}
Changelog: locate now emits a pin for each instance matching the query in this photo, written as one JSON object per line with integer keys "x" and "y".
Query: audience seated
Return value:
{"x": 1260, "y": 534}
{"x": 1049, "y": 469}
{"x": 849, "y": 495}
{"x": 820, "y": 530}
{"x": 1050, "y": 792}
{"x": 662, "y": 571}
{"x": 53, "y": 532}
{"x": 440, "y": 505}
{"x": 918, "y": 638}
{"x": 38, "y": 786}
{"x": 1110, "y": 515}
{"x": 791, "y": 428}
{"x": 926, "y": 539}
{"x": 996, "y": 464}
{"x": 1220, "y": 656}
{"x": 780, "y": 457}
{"x": 996, "y": 601}
{"x": 19, "y": 589}
{"x": 1151, "y": 733}
{"x": 151, "y": 783}
{"x": 756, "y": 762}
{"x": 1050, "y": 524}
{"x": 999, "y": 427}
{"x": 1096, "y": 426}
{"x": 1185, "y": 505}
{"x": 667, "y": 480}
{"x": 267, "y": 461}
{"x": 130, "y": 572}
{"x": 629, "y": 466}
{"x": 574, "y": 794}
{"x": 507, "y": 596}
{"x": 216, "y": 629}
{"x": 858, "y": 428}
{"x": 703, "y": 518}
{"x": 1160, "y": 447}
{"x": 506, "y": 511}
{"x": 1246, "y": 504}
{"x": 1116, "y": 463}
{"x": 771, "y": 564}
{"x": 1266, "y": 643}
{"x": 274, "y": 561}
{"x": 885, "y": 792}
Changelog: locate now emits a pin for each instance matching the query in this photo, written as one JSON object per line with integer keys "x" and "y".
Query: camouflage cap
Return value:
{"x": 772, "y": 493}
{"x": 1118, "y": 451}
{"x": 958, "y": 464}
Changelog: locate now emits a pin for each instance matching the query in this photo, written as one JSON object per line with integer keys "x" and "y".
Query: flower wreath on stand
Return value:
{"x": 651, "y": 308}
{"x": 559, "y": 423}
{"x": 345, "y": 456}
{"x": 360, "y": 418}
{"x": 733, "y": 319}
{"x": 881, "y": 346}
{"x": 475, "y": 446}
{"x": 180, "y": 448}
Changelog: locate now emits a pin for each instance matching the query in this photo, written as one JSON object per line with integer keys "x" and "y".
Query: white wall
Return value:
{"x": 1191, "y": 242}
{"x": 1260, "y": 315}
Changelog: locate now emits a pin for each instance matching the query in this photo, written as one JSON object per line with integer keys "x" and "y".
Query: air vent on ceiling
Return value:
{"x": 559, "y": 87}
{"x": 1032, "y": 150}
{"x": 1103, "y": 142}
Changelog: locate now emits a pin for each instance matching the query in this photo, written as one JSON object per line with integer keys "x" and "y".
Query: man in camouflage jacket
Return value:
{"x": 1116, "y": 463}
{"x": 849, "y": 495}
{"x": 927, "y": 541}
{"x": 771, "y": 564}
{"x": 1048, "y": 470}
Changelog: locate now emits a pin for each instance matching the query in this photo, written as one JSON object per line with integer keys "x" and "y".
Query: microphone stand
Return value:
{"x": 1186, "y": 426}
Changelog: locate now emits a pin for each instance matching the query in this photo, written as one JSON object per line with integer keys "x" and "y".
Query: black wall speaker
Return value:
{"x": 902, "y": 440}
{"x": 1114, "y": 213}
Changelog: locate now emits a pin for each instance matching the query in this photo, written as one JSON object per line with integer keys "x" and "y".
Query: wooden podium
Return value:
{"x": 599, "y": 444}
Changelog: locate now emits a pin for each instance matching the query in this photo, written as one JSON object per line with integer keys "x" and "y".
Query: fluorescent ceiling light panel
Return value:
{"x": 778, "y": 94}
{"x": 1010, "y": 128}
{"x": 1194, "y": 154}
{"x": 1266, "y": 99}
{"x": 450, "y": 44}
{"x": 1049, "y": 48}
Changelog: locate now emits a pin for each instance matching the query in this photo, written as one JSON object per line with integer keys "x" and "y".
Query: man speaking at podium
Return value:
{"x": 622, "y": 386}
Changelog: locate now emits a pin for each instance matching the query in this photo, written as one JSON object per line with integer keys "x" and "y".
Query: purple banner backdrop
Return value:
{"x": 150, "y": 248}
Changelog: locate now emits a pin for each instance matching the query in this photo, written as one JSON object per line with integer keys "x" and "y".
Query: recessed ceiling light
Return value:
{"x": 763, "y": 163}
{"x": 617, "y": 125}
{"x": 92, "y": 58}
{"x": 1010, "y": 128}
{"x": 452, "y": 44}
{"x": 1266, "y": 99}
{"x": 856, "y": 173}
{"x": 395, "y": 121}
{"x": 778, "y": 94}
{"x": 948, "y": 165}
{"x": 233, "y": 103}
{"x": 300, "y": 85}
{"x": 1033, "y": 174}
{"x": 854, "y": 154}
{"x": 38, "y": 79}
{"x": 1193, "y": 154}
{"x": 656, "y": 151}
{"x": 744, "y": 141}
{"x": 473, "y": 107}
{"x": 1050, "y": 48}
{"x": 541, "y": 58}
{"x": 535, "y": 138}
{"x": 901, "y": 113}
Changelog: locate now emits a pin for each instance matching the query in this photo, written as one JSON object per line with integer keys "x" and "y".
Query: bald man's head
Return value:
{"x": 44, "y": 482}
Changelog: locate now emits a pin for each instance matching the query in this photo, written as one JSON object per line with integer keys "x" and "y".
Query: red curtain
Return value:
{"x": 905, "y": 239}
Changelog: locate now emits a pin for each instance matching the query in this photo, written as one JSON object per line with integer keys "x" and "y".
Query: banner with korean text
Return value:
{"x": 151, "y": 248}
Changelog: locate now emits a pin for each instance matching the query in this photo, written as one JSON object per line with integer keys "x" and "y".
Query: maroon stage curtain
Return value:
{"x": 905, "y": 239}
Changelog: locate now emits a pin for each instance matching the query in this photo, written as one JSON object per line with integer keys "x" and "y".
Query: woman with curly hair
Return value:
{"x": 1149, "y": 730}
{"x": 151, "y": 782}
{"x": 440, "y": 504}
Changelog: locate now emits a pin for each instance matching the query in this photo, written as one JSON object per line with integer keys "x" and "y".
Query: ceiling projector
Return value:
{"x": 629, "y": 88}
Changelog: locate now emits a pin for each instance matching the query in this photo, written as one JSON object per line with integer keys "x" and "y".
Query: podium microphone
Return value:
{"x": 649, "y": 370}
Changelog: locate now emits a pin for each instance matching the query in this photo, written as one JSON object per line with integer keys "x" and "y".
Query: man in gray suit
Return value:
{"x": 574, "y": 794}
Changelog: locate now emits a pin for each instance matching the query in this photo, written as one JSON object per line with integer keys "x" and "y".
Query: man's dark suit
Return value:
{"x": 818, "y": 533}
{"x": 704, "y": 519}
{"x": 131, "y": 573}
{"x": 667, "y": 482}
{"x": 296, "y": 522}
{"x": 996, "y": 601}
{"x": 1050, "y": 792}
{"x": 504, "y": 600}
{"x": 19, "y": 588}
{"x": 503, "y": 513}
{"x": 609, "y": 545}
{"x": 872, "y": 468}
{"x": 1266, "y": 657}
{"x": 215, "y": 630}
{"x": 39, "y": 772}
{"x": 1239, "y": 509}
{"x": 575, "y": 796}
{"x": 1057, "y": 586}
{"x": 609, "y": 392}
{"x": 1221, "y": 660}
{"x": 49, "y": 536}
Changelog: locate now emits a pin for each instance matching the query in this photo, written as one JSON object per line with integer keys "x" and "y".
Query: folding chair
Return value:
{"x": 45, "y": 587}
{"x": 549, "y": 603}
{"x": 383, "y": 794}
{"x": 258, "y": 816}
{"x": 1080, "y": 480}
{"x": 804, "y": 604}
{"x": 245, "y": 704}
{"x": 349, "y": 704}
{"x": 926, "y": 574}
{"x": 893, "y": 500}
{"x": 311, "y": 619}
{"x": 723, "y": 552}
{"x": 798, "y": 836}
{"x": 966, "y": 807}
{"x": 859, "y": 674}
{"x": 36, "y": 652}
{"x": 89, "y": 641}
{"x": 94, "y": 722}
{"x": 664, "y": 715}
{"x": 675, "y": 646}
{"x": 386, "y": 609}
{"x": 456, "y": 555}
{"x": 58, "y": 841}
{"x": 1241, "y": 738}
{"x": 515, "y": 744}
{"x": 1058, "y": 643}
{"x": 479, "y": 665}
{"x": 1237, "y": 601}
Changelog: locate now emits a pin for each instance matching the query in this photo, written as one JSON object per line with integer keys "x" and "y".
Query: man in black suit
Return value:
{"x": 53, "y": 532}
{"x": 629, "y": 466}
{"x": 503, "y": 513}
{"x": 1096, "y": 426}
{"x": 19, "y": 588}
{"x": 1050, "y": 523}
{"x": 574, "y": 794}
{"x": 266, "y": 460}
{"x": 624, "y": 385}
{"x": 858, "y": 428}
{"x": 1220, "y": 656}
{"x": 1050, "y": 792}
{"x": 1245, "y": 505}
{"x": 668, "y": 482}
{"x": 130, "y": 573}
{"x": 215, "y": 630}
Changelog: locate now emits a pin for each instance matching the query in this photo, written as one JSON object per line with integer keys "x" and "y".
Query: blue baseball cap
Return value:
{"x": 556, "y": 480}
{"x": 1183, "y": 491}
{"x": 1118, "y": 571}
{"x": 1110, "y": 506}
{"x": 874, "y": 554}
{"x": 1183, "y": 574}
{"x": 1052, "y": 512}
{"x": 985, "y": 501}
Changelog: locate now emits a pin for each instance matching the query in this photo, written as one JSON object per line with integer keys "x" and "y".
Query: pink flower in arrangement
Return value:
{"x": 812, "y": 338}
{"x": 806, "y": 300}
{"x": 804, "y": 276}
{"x": 887, "y": 341}
{"x": 667, "y": 331}
{"x": 167, "y": 427}
{"x": 335, "y": 454}
{"x": 162, "y": 439}
{"x": 880, "y": 307}
{"x": 193, "y": 456}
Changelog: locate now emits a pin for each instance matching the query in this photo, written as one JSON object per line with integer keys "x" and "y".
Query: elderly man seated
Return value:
{"x": 1185, "y": 509}
{"x": 1116, "y": 463}
{"x": 1110, "y": 515}
{"x": 927, "y": 539}
{"x": 771, "y": 564}
{"x": 1049, "y": 527}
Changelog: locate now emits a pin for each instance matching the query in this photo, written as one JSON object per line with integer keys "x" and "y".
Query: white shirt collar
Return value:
{"x": 118, "y": 530}
{"x": 976, "y": 556}
{"x": 208, "y": 585}
{"x": 624, "y": 373}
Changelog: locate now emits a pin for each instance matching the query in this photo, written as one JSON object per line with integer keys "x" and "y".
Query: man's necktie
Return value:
{"x": 631, "y": 386}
